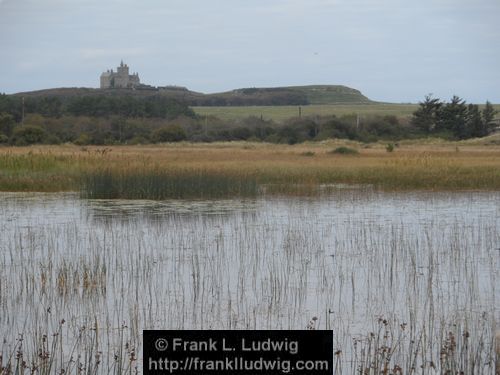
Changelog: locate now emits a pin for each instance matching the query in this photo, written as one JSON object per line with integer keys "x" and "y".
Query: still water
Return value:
{"x": 404, "y": 267}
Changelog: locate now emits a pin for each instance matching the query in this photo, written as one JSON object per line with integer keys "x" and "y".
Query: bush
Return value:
{"x": 344, "y": 151}
{"x": 169, "y": 133}
{"x": 337, "y": 128}
{"x": 3, "y": 138}
{"x": 138, "y": 140}
{"x": 52, "y": 139}
{"x": 27, "y": 135}
{"x": 253, "y": 138}
{"x": 241, "y": 133}
{"x": 272, "y": 138}
{"x": 389, "y": 147}
{"x": 82, "y": 140}
{"x": 307, "y": 153}
{"x": 288, "y": 134}
{"x": 6, "y": 124}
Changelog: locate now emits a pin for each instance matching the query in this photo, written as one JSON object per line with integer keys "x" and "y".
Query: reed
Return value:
{"x": 38, "y": 171}
{"x": 408, "y": 282}
{"x": 497, "y": 352}
{"x": 164, "y": 184}
{"x": 242, "y": 169}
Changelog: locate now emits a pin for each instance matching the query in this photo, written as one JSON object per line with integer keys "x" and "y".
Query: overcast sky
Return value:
{"x": 391, "y": 50}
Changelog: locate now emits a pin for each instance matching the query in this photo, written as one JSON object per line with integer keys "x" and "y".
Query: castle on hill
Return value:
{"x": 121, "y": 79}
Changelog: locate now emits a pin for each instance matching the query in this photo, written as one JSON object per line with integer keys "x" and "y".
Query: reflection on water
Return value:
{"x": 426, "y": 260}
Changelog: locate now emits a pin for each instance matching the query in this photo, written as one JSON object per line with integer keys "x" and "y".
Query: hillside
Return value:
{"x": 273, "y": 96}
{"x": 332, "y": 94}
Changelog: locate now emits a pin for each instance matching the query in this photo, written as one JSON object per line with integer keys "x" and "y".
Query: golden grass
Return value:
{"x": 429, "y": 166}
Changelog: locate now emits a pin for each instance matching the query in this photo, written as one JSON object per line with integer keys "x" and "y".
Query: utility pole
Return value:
{"x": 357, "y": 122}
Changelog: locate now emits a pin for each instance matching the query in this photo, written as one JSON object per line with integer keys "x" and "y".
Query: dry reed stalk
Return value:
{"x": 497, "y": 352}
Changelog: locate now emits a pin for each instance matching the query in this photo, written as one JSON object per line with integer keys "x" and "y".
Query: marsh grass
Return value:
{"x": 236, "y": 169}
{"x": 397, "y": 349}
{"x": 164, "y": 184}
{"x": 43, "y": 354}
{"x": 39, "y": 170}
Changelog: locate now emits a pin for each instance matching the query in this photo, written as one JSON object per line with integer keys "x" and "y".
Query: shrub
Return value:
{"x": 337, "y": 128}
{"x": 241, "y": 133}
{"x": 52, "y": 139}
{"x": 254, "y": 139}
{"x": 3, "y": 138}
{"x": 169, "y": 133}
{"x": 288, "y": 134}
{"x": 27, "y": 135}
{"x": 389, "y": 147}
{"x": 82, "y": 140}
{"x": 272, "y": 138}
{"x": 344, "y": 151}
{"x": 6, "y": 123}
{"x": 307, "y": 153}
{"x": 138, "y": 140}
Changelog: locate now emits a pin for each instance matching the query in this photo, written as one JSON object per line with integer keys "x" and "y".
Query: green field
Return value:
{"x": 281, "y": 113}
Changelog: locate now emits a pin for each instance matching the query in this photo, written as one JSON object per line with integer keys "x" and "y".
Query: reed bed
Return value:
{"x": 40, "y": 170}
{"x": 164, "y": 184}
{"x": 245, "y": 169}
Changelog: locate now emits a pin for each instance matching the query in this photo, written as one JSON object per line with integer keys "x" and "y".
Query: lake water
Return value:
{"x": 414, "y": 270}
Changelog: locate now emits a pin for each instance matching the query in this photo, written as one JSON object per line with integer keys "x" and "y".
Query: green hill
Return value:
{"x": 272, "y": 96}
{"x": 332, "y": 94}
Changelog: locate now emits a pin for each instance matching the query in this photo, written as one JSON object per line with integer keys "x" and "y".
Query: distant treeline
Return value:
{"x": 129, "y": 120}
{"x": 85, "y": 130}
{"x": 95, "y": 106}
{"x": 252, "y": 96}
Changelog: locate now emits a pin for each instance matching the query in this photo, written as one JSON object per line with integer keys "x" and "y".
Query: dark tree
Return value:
{"x": 475, "y": 125}
{"x": 426, "y": 117}
{"x": 6, "y": 124}
{"x": 488, "y": 115}
{"x": 453, "y": 117}
{"x": 48, "y": 106}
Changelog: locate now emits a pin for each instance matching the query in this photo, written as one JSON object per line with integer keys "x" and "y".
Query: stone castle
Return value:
{"x": 121, "y": 79}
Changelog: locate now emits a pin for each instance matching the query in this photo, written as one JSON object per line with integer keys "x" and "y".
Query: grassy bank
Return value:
{"x": 242, "y": 169}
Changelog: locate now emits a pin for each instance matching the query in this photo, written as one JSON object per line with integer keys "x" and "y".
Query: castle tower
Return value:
{"x": 123, "y": 69}
{"x": 121, "y": 79}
